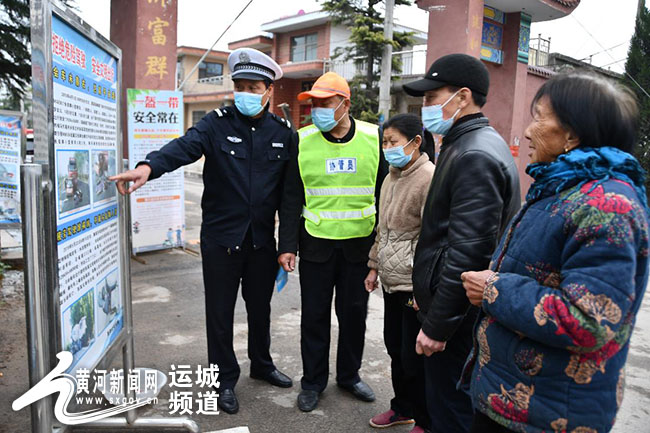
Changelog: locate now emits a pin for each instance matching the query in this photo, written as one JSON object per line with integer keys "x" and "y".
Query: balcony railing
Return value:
{"x": 413, "y": 62}
{"x": 538, "y": 52}
{"x": 211, "y": 80}
{"x": 190, "y": 85}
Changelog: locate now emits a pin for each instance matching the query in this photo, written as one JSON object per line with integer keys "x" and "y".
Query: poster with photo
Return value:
{"x": 155, "y": 117}
{"x": 11, "y": 136}
{"x": 104, "y": 166}
{"x": 78, "y": 329}
{"x": 85, "y": 92}
{"x": 109, "y": 300}
{"x": 73, "y": 174}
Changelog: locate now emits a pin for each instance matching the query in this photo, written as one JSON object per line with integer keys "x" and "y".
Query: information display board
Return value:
{"x": 155, "y": 117}
{"x": 86, "y": 153}
{"x": 76, "y": 234}
{"x": 12, "y": 133}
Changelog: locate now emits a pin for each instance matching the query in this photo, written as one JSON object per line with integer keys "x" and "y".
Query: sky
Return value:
{"x": 598, "y": 28}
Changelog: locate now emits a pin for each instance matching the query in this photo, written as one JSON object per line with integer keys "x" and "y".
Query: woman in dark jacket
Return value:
{"x": 561, "y": 296}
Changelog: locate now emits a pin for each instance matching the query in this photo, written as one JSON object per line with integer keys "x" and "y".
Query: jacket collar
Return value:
{"x": 464, "y": 127}
{"x": 250, "y": 121}
{"x": 423, "y": 159}
{"x": 346, "y": 138}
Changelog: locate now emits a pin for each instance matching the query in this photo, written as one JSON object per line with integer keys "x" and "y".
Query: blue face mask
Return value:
{"x": 396, "y": 157}
{"x": 324, "y": 118}
{"x": 249, "y": 104}
{"x": 433, "y": 120}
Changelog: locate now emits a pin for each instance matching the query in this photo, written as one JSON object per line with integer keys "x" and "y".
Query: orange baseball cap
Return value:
{"x": 329, "y": 84}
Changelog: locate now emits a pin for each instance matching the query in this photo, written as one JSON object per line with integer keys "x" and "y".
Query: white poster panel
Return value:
{"x": 85, "y": 93}
{"x": 155, "y": 117}
{"x": 11, "y": 137}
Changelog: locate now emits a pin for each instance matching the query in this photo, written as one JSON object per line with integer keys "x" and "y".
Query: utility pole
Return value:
{"x": 386, "y": 64}
{"x": 639, "y": 8}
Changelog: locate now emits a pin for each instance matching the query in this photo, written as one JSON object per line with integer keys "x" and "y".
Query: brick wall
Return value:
{"x": 286, "y": 90}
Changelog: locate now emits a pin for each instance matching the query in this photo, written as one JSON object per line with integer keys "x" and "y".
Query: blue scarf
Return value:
{"x": 585, "y": 164}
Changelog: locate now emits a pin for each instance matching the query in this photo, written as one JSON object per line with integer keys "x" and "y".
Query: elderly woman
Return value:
{"x": 560, "y": 299}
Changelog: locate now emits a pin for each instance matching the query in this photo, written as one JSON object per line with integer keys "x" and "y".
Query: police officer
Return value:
{"x": 334, "y": 184}
{"x": 247, "y": 150}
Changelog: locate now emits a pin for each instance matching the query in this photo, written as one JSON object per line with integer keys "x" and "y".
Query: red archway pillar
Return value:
{"x": 454, "y": 27}
{"x": 145, "y": 30}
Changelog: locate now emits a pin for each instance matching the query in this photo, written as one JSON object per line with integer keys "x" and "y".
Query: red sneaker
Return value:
{"x": 417, "y": 429}
{"x": 389, "y": 419}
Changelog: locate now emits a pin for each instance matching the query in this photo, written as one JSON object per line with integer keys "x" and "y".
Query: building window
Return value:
{"x": 210, "y": 69}
{"x": 305, "y": 86}
{"x": 304, "y": 47}
{"x": 415, "y": 109}
{"x": 196, "y": 116}
{"x": 179, "y": 71}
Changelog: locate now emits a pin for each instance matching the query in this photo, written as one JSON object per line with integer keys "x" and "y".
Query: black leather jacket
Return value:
{"x": 473, "y": 196}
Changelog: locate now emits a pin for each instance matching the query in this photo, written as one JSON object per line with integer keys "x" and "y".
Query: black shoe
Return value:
{"x": 308, "y": 400}
{"x": 227, "y": 401}
{"x": 360, "y": 390}
{"x": 275, "y": 378}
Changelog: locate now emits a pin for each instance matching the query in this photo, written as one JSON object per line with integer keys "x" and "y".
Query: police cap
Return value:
{"x": 251, "y": 64}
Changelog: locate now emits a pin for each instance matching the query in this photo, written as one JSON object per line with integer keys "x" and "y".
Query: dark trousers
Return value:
{"x": 450, "y": 409}
{"x": 317, "y": 282}
{"x": 223, "y": 270}
{"x": 401, "y": 327}
{"x": 484, "y": 424}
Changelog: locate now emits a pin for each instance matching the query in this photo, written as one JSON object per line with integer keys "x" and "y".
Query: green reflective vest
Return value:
{"x": 339, "y": 180}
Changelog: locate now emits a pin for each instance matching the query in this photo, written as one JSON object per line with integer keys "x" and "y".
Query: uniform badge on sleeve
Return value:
{"x": 341, "y": 165}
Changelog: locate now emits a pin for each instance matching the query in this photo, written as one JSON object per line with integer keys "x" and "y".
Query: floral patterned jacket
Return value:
{"x": 553, "y": 336}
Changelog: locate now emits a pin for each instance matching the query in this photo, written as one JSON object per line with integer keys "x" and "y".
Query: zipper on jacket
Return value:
{"x": 392, "y": 195}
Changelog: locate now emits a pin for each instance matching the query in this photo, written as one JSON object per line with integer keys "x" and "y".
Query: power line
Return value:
{"x": 608, "y": 49}
{"x": 603, "y": 48}
{"x": 612, "y": 63}
{"x": 215, "y": 43}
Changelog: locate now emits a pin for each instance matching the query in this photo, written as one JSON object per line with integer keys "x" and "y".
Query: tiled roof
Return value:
{"x": 539, "y": 71}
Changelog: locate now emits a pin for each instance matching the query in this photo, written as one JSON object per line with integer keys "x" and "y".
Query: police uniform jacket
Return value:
{"x": 243, "y": 174}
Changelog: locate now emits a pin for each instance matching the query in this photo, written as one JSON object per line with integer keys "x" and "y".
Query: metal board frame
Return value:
{"x": 49, "y": 9}
{"x": 39, "y": 240}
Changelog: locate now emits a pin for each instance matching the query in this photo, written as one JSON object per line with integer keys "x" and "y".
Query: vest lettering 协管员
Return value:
{"x": 339, "y": 180}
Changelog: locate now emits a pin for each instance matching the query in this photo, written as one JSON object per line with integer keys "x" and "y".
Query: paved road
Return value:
{"x": 170, "y": 329}
{"x": 169, "y": 305}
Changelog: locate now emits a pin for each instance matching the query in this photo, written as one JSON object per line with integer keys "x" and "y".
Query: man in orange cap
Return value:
{"x": 334, "y": 185}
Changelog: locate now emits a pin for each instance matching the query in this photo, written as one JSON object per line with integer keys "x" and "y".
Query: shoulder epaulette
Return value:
{"x": 282, "y": 120}
{"x": 223, "y": 112}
